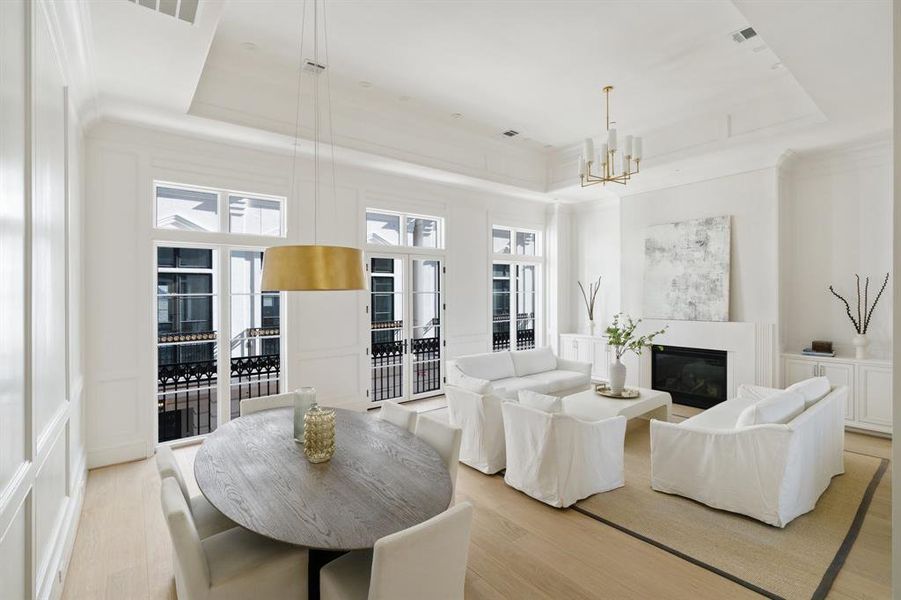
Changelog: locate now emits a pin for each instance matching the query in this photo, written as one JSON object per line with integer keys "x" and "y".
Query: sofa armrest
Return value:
{"x": 757, "y": 392}
{"x": 578, "y": 366}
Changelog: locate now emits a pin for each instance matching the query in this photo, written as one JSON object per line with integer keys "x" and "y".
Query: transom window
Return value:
{"x": 191, "y": 208}
{"x": 517, "y": 242}
{"x": 386, "y": 228}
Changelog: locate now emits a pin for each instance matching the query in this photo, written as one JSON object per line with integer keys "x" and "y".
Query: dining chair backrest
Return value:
{"x": 425, "y": 561}
{"x": 403, "y": 417}
{"x": 192, "y": 572}
{"x": 252, "y": 405}
{"x": 167, "y": 466}
{"x": 445, "y": 440}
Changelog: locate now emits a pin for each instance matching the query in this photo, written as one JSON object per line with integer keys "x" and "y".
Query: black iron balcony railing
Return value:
{"x": 525, "y": 332}
{"x": 388, "y": 361}
{"x": 186, "y": 392}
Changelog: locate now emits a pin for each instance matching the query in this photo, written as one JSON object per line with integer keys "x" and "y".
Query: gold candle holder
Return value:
{"x": 319, "y": 434}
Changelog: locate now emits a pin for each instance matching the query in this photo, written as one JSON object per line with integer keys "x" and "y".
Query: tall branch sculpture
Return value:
{"x": 864, "y": 311}
{"x": 591, "y": 296}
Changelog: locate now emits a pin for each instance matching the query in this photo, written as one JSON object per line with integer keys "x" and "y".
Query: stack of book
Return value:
{"x": 812, "y": 352}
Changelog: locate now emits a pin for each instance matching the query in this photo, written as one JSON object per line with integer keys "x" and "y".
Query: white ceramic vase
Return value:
{"x": 617, "y": 376}
{"x": 591, "y": 327}
{"x": 860, "y": 342}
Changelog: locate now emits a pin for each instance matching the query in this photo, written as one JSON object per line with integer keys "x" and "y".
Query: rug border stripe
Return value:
{"x": 679, "y": 554}
{"x": 832, "y": 570}
{"x": 838, "y": 561}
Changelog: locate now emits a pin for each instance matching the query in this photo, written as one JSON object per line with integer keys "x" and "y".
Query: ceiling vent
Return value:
{"x": 311, "y": 66}
{"x": 183, "y": 10}
{"x": 511, "y": 133}
{"x": 744, "y": 35}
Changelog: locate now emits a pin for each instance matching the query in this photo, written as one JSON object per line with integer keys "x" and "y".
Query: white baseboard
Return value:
{"x": 117, "y": 454}
{"x": 51, "y": 585}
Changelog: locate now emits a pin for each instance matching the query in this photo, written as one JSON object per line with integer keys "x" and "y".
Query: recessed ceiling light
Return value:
{"x": 548, "y": 145}
{"x": 365, "y": 84}
{"x": 249, "y": 46}
{"x": 456, "y": 115}
{"x": 404, "y": 98}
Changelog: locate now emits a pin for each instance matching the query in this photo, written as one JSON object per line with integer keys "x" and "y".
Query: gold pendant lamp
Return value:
{"x": 313, "y": 267}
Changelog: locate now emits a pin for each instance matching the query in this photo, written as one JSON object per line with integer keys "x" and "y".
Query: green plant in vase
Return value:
{"x": 621, "y": 336}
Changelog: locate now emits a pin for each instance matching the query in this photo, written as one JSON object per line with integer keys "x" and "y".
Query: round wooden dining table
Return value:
{"x": 382, "y": 479}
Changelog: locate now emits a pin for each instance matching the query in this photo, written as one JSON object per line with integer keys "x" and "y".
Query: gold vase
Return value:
{"x": 319, "y": 434}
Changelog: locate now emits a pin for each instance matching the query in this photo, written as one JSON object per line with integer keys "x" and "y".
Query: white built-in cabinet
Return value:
{"x": 869, "y": 384}
{"x": 594, "y": 349}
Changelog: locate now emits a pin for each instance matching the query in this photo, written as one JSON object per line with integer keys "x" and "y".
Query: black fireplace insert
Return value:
{"x": 692, "y": 376}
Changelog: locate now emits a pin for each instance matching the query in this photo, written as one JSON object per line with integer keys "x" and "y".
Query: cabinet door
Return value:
{"x": 875, "y": 396}
{"x": 584, "y": 349}
{"x": 601, "y": 367}
{"x": 841, "y": 374}
{"x": 798, "y": 369}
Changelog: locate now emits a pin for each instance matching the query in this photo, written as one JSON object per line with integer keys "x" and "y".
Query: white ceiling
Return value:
{"x": 536, "y": 67}
{"x": 818, "y": 74}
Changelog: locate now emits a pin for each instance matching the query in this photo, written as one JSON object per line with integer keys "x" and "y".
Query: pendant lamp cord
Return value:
{"x": 303, "y": 15}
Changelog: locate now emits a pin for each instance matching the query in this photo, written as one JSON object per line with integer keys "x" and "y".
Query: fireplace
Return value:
{"x": 692, "y": 376}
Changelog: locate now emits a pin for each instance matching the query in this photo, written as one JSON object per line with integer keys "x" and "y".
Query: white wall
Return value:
{"x": 42, "y": 459}
{"x": 327, "y": 333}
{"x": 752, "y": 201}
{"x": 838, "y": 208}
{"x": 595, "y": 249}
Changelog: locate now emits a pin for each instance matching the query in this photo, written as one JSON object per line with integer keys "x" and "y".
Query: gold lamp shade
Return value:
{"x": 313, "y": 268}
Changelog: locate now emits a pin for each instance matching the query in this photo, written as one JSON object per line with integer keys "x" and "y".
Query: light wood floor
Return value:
{"x": 520, "y": 548}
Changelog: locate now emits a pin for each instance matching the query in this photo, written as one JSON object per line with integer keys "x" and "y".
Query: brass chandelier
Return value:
{"x": 615, "y": 162}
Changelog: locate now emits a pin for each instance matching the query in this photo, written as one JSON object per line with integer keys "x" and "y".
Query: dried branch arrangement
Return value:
{"x": 591, "y": 296}
{"x": 865, "y": 310}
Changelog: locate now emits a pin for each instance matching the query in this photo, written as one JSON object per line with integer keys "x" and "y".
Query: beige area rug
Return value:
{"x": 800, "y": 561}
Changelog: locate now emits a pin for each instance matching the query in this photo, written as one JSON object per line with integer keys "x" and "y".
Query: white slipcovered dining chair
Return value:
{"x": 208, "y": 520}
{"x": 394, "y": 413}
{"x": 425, "y": 561}
{"x": 446, "y": 442}
{"x": 559, "y": 459}
{"x": 252, "y": 405}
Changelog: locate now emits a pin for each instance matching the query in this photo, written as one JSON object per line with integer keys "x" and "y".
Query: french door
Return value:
{"x": 406, "y": 312}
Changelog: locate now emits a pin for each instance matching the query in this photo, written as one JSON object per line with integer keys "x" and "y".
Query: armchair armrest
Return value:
{"x": 578, "y": 366}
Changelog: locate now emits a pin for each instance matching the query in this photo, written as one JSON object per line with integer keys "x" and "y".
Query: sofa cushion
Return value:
{"x": 778, "y": 408}
{"x": 537, "y": 360}
{"x": 551, "y": 382}
{"x": 491, "y": 366}
{"x": 473, "y": 384}
{"x": 811, "y": 390}
{"x": 721, "y": 416}
{"x": 543, "y": 402}
{"x": 509, "y": 387}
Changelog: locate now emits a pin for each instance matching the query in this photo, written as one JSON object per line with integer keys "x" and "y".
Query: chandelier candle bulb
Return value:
{"x": 611, "y": 139}
{"x": 581, "y": 166}
{"x": 627, "y": 146}
{"x": 588, "y": 149}
{"x": 604, "y": 154}
{"x": 636, "y": 148}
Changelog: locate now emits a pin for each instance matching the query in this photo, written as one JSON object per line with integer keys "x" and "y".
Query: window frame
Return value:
{"x": 223, "y": 195}
{"x": 515, "y": 260}
{"x": 403, "y": 246}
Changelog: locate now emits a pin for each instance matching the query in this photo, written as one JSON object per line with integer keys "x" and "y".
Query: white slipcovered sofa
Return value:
{"x": 768, "y": 454}
{"x": 479, "y": 383}
{"x": 557, "y": 458}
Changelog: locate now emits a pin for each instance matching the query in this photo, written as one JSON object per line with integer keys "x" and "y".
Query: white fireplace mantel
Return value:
{"x": 750, "y": 348}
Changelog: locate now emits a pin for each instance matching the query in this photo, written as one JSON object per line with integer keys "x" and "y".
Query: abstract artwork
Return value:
{"x": 686, "y": 270}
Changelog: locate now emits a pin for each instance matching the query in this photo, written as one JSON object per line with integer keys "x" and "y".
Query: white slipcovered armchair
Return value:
{"x": 768, "y": 454}
{"x": 559, "y": 459}
{"x": 478, "y": 384}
